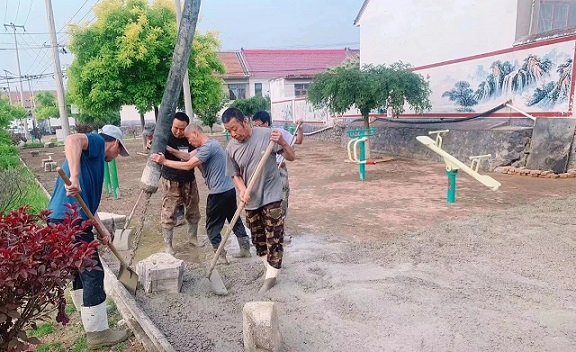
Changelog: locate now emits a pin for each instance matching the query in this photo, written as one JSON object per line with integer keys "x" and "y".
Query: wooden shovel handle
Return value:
{"x": 241, "y": 206}
{"x": 90, "y": 216}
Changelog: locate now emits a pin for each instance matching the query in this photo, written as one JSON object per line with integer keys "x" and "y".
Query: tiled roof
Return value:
{"x": 293, "y": 63}
{"x": 235, "y": 68}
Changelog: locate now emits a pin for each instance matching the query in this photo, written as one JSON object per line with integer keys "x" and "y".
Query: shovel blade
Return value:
{"x": 128, "y": 278}
{"x": 217, "y": 283}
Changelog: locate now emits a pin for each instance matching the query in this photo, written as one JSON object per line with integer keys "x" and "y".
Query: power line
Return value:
{"x": 17, "y": 10}
{"x": 28, "y": 15}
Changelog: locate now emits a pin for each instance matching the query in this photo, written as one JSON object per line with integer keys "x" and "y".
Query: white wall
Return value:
{"x": 265, "y": 87}
{"x": 129, "y": 115}
{"x": 422, "y": 32}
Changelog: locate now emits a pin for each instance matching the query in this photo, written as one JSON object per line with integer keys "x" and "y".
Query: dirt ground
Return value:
{"x": 383, "y": 264}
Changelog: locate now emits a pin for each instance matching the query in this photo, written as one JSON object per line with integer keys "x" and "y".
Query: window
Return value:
{"x": 237, "y": 91}
{"x": 258, "y": 89}
{"x": 301, "y": 90}
{"x": 554, "y": 15}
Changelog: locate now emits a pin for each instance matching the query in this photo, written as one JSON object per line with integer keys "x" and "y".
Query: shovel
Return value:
{"x": 213, "y": 275}
{"x": 126, "y": 276}
{"x": 119, "y": 233}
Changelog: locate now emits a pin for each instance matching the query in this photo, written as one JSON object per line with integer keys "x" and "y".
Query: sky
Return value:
{"x": 249, "y": 24}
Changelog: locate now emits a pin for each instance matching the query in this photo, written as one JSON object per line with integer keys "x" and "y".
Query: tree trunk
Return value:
{"x": 142, "y": 122}
{"x": 366, "y": 117}
{"x": 156, "y": 112}
{"x": 151, "y": 174}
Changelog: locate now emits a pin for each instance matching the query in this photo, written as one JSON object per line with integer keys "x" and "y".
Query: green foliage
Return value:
{"x": 33, "y": 145}
{"x": 252, "y": 105}
{"x": 367, "y": 88}
{"x": 124, "y": 57}
{"x": 46, "y": 106}
{"x": 80, "y": 344}
{"x": 209, "y": 116}
{"x": 42, "y": 330}
{"x": 10, "y": 112}
{"x": 51, "y": 347}
{"x": 99, "y": 119}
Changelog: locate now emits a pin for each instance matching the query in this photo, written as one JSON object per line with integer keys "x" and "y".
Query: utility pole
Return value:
{"x": 26, "y": 132}
{"x": 57, "y": 72}
{"x": 33, "y": 99}
{"x": 186, "y": 83}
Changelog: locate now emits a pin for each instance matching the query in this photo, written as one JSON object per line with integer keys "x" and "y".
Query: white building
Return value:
{"x": 490, "y": 51}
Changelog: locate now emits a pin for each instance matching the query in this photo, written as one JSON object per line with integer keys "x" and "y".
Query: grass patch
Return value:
{"x": 34, "y": 145}
{"x": 120, "y": 347}
{"x": 42, "y": 330}
{"x": 70, "y": 308}
{"x": 80, "y": 344}
{"x": 51, "y": 347}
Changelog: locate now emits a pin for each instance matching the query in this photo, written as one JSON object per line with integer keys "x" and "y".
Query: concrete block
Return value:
{"x": 112, "y": 221}
{"x": 260, "y": 327}
{"x": 50, "y": 166}
{"x": 34, "y": 152}
{"x": 122, "y": 239}
{"x": 161, "y": 272}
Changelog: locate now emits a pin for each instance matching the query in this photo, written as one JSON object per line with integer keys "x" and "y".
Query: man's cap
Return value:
{"x": 116, "y": 132}
{"x": 149, "y": 129}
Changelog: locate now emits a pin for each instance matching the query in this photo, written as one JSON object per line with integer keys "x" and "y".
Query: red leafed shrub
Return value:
{"x": 37, "y": 261}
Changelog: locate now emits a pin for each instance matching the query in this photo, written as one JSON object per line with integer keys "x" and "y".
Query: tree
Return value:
{"x": 8, "y": 112}
{"x": 252, "y": 105}
{"x": 209, "y": 116}
{"x": 46, "y": 106}
{"x": 367, "y": 88}
{"x": 123, "y": 58}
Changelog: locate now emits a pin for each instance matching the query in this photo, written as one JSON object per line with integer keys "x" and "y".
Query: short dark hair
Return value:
{"x": 232, "y": 113}
{"x": 263, "y": 116}
{"x": 182, "y": 117}
{"x": 107, "y": 138}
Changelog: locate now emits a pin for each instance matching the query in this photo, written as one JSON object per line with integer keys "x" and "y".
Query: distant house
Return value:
{"x": 478, "y": 54}
{"x": 236, "y": 78}
{"x": 282, "y": 74}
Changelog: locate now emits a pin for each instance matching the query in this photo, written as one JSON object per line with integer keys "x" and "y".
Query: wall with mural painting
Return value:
{"x": 536, "y": 77}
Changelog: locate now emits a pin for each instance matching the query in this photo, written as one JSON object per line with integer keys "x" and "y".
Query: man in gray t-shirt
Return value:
{"x": 264, "y": 204}
{"x": 221, "y": 202}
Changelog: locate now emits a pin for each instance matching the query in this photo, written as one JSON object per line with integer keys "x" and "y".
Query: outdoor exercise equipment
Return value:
{"x": 453, "y": 164}
{"x": 357, "y": 148}
{"x": 111, "y": 179}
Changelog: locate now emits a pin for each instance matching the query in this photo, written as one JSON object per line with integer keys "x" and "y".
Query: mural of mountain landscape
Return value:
{"x": 536, "y": 79}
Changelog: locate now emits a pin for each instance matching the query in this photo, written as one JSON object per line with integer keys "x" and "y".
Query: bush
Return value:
{"x": 37, "y": 261}
{"x": 8, "y": 156}
{"x": 33, "y": 145}
{"x": 19, "y": 189}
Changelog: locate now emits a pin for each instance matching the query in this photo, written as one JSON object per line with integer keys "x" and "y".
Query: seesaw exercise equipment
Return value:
{"x": 453, "y": 164}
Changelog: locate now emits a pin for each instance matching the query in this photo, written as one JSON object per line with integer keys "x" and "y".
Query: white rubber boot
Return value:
{"x": 270, "y": 276}
{"x": 168, "y": 234}
{"x": 77, "y": 298}
{"x": 98, "y": 333}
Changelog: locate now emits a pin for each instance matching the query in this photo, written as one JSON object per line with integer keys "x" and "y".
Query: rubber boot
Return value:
{"x": 98, "y": 333}
{"x": 193, "y": 234}
{"x": 244, "y": 243}
{"x": 270, "y": 277}
{"x": 168, "y": 234}
{"x": 77, "y": 298}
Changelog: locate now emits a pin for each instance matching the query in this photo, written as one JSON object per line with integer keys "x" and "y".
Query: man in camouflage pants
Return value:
{"x": 179, "y": 186}
{"x": 264, "y": 214}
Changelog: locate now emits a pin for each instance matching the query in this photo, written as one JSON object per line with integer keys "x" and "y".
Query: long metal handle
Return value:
{"x": 88, "y": 213}
{"x": 241, "y": 206}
